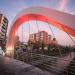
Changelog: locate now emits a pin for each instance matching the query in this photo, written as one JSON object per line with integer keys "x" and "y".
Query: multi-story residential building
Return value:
{"x": 3, "y": 27}
{"x": 42, "y": 36}
{"x": 3, "y": 31}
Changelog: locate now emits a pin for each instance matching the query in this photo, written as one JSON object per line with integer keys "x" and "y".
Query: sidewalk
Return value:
{"x": 63, "y": 62}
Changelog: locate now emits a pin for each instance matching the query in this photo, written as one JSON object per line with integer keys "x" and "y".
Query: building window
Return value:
{"x": 2, "y": 34}
{"x": 4, "y": 27}
{"x": 37, "y": 35}
{"x": 42, "y": 34}
{"x": 42, "y": 39}
{"x": 49, "y": 37}
{"x": 31, "y": 36}
{"x": 3, "y": 30}
{"x": 5, "y": 24}
{"x": 5, "y": 20}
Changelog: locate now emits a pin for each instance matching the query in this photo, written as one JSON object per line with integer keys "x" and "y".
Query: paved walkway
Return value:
{"x": 10, "y": 66}
{"x": 63, "y": 62}
{"x": 58, "y": 66}
{"x": 14, "y": 67}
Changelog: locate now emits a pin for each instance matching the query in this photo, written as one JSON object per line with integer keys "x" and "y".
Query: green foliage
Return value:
{"x": 52, "y": 50}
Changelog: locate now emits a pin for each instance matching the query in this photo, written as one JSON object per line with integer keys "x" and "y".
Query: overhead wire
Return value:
{"x": 53, "y": 36}
{"x": 29, "y": 27}
{"x": 22, "y": 33}
{"x": 37, "y": 24}
{"x": 71, "y": 38}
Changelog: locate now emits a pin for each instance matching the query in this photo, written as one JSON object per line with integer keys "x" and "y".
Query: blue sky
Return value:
{"x": 12, "y": 7}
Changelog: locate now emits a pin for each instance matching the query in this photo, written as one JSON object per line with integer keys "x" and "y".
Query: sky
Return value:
{"x": 11, "y": 8}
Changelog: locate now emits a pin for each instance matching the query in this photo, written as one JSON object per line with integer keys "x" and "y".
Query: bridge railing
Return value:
{"x": 53, "y": 64}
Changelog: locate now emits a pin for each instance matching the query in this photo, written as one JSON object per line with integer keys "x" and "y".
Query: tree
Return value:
{"x": 49, "y": 49}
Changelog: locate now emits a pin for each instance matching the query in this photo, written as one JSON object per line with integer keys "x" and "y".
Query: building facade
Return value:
{"x": 3, "y": 26}
{"x": 42, "y": 36}
{"x": 3, "y": 31}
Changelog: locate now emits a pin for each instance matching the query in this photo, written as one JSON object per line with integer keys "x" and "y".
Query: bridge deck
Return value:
{"x": 10, "y": 66}
{"x": 55, "y": 65}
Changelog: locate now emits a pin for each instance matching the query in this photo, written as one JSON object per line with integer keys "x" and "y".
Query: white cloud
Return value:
{"x": 62, "y": 4}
